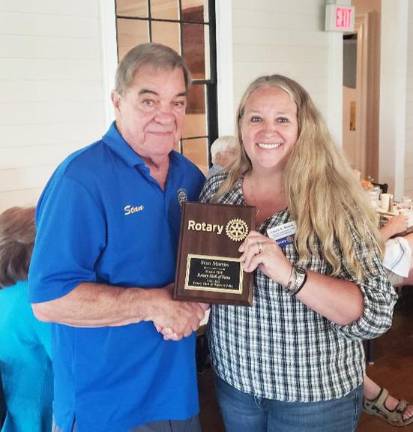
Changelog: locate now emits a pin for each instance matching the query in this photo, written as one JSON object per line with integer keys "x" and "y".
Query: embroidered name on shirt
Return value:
{"x": 129, "y": 209}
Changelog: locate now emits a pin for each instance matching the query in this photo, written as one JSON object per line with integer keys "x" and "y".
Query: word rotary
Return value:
{"x": 235, "y": 229}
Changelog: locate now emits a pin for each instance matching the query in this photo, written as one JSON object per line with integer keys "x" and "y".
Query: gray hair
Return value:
{"x": 149, "y": 54}
{"x": 223, "y": 143}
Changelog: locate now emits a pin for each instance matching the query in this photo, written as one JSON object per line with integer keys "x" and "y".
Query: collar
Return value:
{"x": 117, "y": 143}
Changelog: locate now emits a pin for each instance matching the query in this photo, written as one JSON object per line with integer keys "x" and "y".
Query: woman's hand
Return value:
{"x": 259, "y": 251}
{"x": 397, "y": 224}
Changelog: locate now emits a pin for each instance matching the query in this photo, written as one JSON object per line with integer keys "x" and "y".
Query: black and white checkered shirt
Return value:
{"x": 279, "y": 348}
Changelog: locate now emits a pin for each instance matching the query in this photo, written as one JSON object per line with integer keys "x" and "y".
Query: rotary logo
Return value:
{"x": 182, "y": 196}
{"x": 236, "y": 229}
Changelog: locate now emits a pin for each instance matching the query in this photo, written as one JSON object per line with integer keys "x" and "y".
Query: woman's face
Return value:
{"x": 269, "y": 128}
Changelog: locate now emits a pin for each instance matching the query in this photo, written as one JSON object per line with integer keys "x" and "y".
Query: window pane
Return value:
{"x": 167, "y": 33}
{"x": 195, "y": 10}
{"x": 196, "y": 119}
{"x": 196, "y": 49}
{"x": 132, "y": 8}
{"x": 168, "y": 9}
{"x": 130, "y": 33}
{"x": 197, "y": 151}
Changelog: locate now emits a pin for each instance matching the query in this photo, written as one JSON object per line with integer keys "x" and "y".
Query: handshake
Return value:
{"x": 175, "y": 319}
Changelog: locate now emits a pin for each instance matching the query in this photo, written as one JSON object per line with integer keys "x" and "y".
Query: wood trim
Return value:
{"x": 362, "y": 29}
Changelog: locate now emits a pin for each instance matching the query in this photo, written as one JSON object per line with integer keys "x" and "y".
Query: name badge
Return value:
{"x": 283, "y": 234}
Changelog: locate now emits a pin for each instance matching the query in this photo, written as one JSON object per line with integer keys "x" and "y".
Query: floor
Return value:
{"x": 392, "y": 368}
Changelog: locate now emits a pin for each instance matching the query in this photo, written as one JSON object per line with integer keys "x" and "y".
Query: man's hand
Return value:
{"x": 175, "y": 319}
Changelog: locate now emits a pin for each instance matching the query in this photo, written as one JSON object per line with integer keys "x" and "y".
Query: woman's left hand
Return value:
{"x": 259, "y": 251}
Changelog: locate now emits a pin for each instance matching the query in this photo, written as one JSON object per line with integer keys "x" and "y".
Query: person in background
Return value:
{"x": 294, "y": 361}
{"x": 25, "y": 343}
{"x": 398, "y": 256}
{"x": 104, "y": 261}
{"x": 399, "y": 264}
{"x": 3, "y": 410}
{"x": 223, "y": 153}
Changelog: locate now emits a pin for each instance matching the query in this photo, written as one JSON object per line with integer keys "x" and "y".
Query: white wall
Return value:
{"x": 270, "y": 36}
{"x": 52, "y": 91}
{"x": 393, "y": 85}
{"x": 225, "y": 67}
{"x": 408, "y": 164}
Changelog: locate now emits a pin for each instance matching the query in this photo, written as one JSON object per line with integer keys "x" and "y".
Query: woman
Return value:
{"x": 398, "y": 256}
{"x": 25, "y": 366}
{"x": 399, "y": 265}
{"x": 294, "y": 361}
{"x": 223, "y": 152}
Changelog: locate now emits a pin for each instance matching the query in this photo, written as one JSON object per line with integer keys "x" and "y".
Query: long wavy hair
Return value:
{"x": 324, "y": 197}
{"x": 17, "y": 232}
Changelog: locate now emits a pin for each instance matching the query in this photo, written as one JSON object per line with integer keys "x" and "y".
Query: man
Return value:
{"x": 224, "y": 151}
{"x": 3, "y": 408}
{"x": 104, "y": 261}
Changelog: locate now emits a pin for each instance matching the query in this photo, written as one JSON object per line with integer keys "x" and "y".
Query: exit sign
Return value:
{"x": 339, "y": 18}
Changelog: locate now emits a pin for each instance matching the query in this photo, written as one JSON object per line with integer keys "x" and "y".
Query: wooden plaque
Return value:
{"x": 208, "y": 265}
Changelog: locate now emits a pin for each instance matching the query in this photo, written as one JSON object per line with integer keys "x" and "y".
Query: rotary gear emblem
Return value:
{"x": 236, "y": 229}
{"x": 182, "y": 196}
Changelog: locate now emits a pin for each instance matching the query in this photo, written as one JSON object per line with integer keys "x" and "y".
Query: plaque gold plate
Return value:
{"x": 208, "y": 265}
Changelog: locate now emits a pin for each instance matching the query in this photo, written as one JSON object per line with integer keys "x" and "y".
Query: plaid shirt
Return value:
{"x": 279, "y": 348}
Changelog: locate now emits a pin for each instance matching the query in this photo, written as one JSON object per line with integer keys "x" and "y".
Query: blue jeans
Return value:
{"x": 243, "y": 412}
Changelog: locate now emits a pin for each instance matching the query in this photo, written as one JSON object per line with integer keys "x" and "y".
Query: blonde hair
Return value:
{"x": 329, "y": 207}
{"x": 17, "y": 233}
{"x": 149, "y": 54}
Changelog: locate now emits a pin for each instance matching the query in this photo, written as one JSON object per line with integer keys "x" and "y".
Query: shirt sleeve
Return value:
{"x": 378, "y": 295}
{"x": 71, "y": 235}
{"x": 211, "y": 187}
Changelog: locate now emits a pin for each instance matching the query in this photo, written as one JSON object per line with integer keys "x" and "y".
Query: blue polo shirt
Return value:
{"x": 103, "y": 218}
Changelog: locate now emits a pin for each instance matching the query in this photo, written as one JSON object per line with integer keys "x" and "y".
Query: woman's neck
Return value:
{"x": 266, "y": 193}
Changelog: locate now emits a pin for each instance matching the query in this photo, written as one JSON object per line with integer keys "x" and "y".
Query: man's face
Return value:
{"x": 150, "y": 114}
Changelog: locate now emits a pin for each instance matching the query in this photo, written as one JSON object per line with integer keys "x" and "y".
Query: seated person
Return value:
{"x": 223, "y": 152}
{"x": 2, "y": 405}
{"x": 398, "y": 254}
{"x": 398, "y": 262}
{"x": 25, "y": 365}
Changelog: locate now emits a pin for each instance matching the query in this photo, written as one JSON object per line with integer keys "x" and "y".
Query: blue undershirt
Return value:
{"x": 25, "y": 365}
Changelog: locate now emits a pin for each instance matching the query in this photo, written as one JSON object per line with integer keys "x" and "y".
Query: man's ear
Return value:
{"x": 116, "y": 98}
